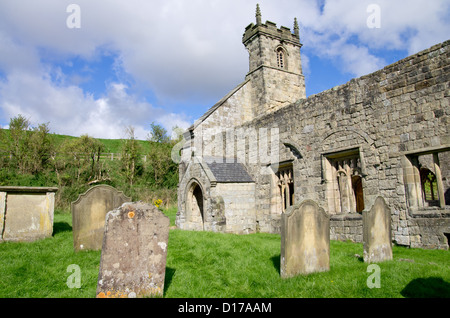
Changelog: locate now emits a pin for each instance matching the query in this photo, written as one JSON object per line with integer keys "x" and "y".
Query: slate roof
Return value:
{"x": 229, "y": 172}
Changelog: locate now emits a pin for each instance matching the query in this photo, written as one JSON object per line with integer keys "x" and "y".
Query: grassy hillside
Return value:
{"x": 111, "y": 145}
{"x": 114, "y": 145}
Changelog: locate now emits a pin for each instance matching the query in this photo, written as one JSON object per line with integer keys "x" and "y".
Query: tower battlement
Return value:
{"x": 270, "y": 29}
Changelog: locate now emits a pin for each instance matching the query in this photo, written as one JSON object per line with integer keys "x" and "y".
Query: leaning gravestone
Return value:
{"x": 133, "y": 260}
{"x": 305, "y": 240}
{"x": 377, "y": 232}
{"x": 88, "y": 215}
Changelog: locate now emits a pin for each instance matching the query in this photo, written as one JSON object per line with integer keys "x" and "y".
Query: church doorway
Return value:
{"x": 195, "y": 205}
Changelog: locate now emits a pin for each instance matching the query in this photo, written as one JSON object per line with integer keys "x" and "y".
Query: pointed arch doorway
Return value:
{"x": 195, "y": 204}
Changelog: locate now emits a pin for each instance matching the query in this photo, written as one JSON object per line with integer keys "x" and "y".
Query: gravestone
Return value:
{"x": 305, "y": 240}
{"x": 134, "y": 251}
{"x": 377, "y": 232}
{"x": 26, "y": 213}
{"x": 88, "y": 215}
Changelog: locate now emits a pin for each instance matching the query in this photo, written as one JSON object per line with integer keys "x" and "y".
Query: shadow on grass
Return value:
{"x": 431, "y": 287}
{"x": 276, "y": 262}
{"x": 59, "y": 227}
{"x": 168, "y": 278}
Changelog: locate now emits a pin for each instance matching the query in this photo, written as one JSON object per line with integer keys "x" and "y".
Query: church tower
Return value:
{"x": 275, "y": 69}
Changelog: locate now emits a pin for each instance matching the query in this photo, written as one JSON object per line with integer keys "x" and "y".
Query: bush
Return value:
{"x": 34, "y": 157}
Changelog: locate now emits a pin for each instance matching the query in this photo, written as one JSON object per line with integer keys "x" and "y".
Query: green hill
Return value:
{"x": 111, "y": 145}
{"x": 35, "y": 158}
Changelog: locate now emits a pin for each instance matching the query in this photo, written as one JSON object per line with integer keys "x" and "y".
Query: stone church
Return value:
{"x": 265, "y": 147}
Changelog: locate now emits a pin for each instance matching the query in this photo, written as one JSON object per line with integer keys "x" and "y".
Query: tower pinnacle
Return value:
{"x": 258, "y": 15}
{"x": 296, "y": 29}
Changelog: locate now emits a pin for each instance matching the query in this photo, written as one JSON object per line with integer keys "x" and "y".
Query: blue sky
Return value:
{"x": 131, "y": 63}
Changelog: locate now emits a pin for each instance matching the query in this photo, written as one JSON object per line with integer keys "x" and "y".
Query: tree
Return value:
{"x": 3, "y": 148}
{"x": 131, "y": 152}
{"x": 79, "y": 160}
{"x": 39, "y": 149}
{"x": 92, "y": 149}
{"x": 18, "y": 142}
{"x": 160, "y": 165}
{"x": 26, "y": 150}
{"x": 158, "y": 134}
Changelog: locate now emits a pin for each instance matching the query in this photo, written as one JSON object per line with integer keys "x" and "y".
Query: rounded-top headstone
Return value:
{"x": 89, "y": 212}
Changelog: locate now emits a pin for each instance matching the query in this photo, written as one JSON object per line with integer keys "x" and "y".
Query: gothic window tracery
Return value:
{"x": 345, "y": 184}
{"x": 285, "y": 177}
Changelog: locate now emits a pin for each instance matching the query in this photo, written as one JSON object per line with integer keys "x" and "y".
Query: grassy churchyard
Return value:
{"x": 215, "y": 265}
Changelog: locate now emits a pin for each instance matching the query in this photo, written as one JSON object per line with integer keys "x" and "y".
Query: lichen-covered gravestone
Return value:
{"x": 134, "y": 251}
{"x": 377, "y": 232}
{"x": 88, "y": 215}
{"x": 305, "y": 240}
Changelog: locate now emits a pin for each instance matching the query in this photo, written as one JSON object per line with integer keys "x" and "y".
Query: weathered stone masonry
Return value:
{"x": 382, "y": 134}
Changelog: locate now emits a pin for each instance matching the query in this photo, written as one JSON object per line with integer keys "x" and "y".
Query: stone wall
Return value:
{"x": 346, "y": 227}
{"x": 239, "y": 206}
{"x": 400, "y": 109}
{"x": 234, "y": 109}
{"x": 444, "y": 159}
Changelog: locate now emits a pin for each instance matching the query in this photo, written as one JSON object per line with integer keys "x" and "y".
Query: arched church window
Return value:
{"x": 285, "y": 182}
{"x": 344, "y": 182}
{"x": 429, "y": 185}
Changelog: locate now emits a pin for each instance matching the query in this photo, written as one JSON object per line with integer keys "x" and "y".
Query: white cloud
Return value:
{"x": 179, "y": 46}
{"x": 180, "y": 50}
{"x": 15, "y": 56}
{"x": 341, "y": 32}
{"x": 70, "y": 111}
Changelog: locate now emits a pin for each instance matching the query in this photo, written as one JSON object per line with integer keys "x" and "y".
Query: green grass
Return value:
{"x": 216, "y": 265}
{"x": 115, "y": 145}
{"x": 111, "y": 145}
{"x": 39, "y": 269}
{"x": 223, "y": 265}
{"x": 172, "y": 214}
